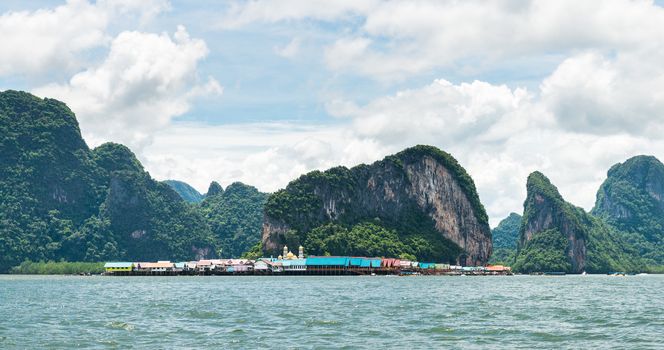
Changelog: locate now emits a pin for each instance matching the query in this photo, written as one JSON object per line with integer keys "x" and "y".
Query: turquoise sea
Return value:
{"x": 312, "y": 312}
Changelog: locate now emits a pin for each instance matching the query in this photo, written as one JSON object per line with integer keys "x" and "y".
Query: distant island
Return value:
{"x": 64, "y": 202}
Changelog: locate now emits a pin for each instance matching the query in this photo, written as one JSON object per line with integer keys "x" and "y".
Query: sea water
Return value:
{"x": 318, "y": 312}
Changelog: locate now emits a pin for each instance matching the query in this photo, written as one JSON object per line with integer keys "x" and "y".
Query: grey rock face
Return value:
{"x": 416, "y": 179}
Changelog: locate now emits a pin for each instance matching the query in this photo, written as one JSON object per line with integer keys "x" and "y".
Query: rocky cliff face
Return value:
{"x": 420, "y": 191}
{"x": 632, "y": 200}
{"x": 558, "y": 236}
{"x": 545, "y": 210}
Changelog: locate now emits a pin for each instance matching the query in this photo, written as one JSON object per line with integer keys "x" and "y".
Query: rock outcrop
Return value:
{"x": 546, "y": 211}
{"x": 421, "y": 193}
{"x": 632, "y": 200}
{"x": 558, "y": 236}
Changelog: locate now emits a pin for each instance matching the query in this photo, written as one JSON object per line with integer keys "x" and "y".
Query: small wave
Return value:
{"x": 549, "y": 337}
{"x": 440, "y": 330}
{"x": 311, "y": 323}
{"x": 205, "y": 315}
{"x": 120, "y": 325}
{"x": 107, "y": 342}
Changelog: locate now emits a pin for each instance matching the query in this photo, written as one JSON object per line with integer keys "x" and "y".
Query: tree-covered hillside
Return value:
{"x": 235, "y": 217}
{"x": 49, "y": 181}
{"x": 505, "y": 239}
{"x": 631, "y": 199}
{"x": 61, "y": 200}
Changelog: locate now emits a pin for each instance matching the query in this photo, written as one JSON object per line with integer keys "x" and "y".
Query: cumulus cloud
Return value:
{"x": 266, "y": 155}
{"x": 499, "y": 134}
{"x": 53, "y": 39}
{"x": 290, "y": 50}
{"x": 593, "y": 93}
{"x": 245, "y": 12}
{"x": 397, "y": 38}
{"x": 144, "y": 82}
{"x": 597, "y": 101}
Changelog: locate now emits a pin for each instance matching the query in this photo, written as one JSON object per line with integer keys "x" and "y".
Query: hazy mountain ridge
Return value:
{"x": 505, "y": 239}
{"x": 185, "y": 191}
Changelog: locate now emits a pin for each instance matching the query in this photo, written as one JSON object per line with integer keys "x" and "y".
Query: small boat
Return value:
{"x": 584, "y": 273}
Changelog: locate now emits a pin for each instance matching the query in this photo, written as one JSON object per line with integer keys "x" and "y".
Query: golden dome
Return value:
{"x": 290, "y": 255}
{"x": 280, "y": 257}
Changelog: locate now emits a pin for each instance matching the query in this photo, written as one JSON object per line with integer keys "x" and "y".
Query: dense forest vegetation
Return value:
{"x": 61, "y": 200}
{"x": 631, "y": 199}
{"x": 235, "y": 216}
{"x": 58, "y": 268}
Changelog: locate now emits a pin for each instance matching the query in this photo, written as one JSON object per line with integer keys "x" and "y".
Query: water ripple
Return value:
{"x": 522, "y": 312}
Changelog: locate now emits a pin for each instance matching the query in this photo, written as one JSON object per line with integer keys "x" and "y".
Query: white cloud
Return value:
{"x": 49, "y": 40}
{"x": 592, "y": 93}
{"x": 264, "y": 155}
{"x": 497, "y": 133}
{"x": 245, "y": 12}
{"x": 398, "y": 38}
{"x": 600, "y": 102}
{"x": 290, "y": 50}
{"x": 144, "y": 82}
{"x": 429, "y": 34}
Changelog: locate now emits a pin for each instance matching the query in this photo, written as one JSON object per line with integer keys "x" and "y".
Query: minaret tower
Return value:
{"x": 285, "y": 251}
{"x": 300, "y": 253}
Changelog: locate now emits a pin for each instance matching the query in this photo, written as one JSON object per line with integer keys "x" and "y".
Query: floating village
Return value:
{"x": 291, "y": 264}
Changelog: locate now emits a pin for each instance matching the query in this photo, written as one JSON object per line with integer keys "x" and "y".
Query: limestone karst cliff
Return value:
{"x": 632, "y": 200}
{"x": 419, "y": 202}
{"x": 558, "y": 236}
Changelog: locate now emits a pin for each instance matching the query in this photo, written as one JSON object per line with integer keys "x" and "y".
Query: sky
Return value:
{"x": 264, "y": 91}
